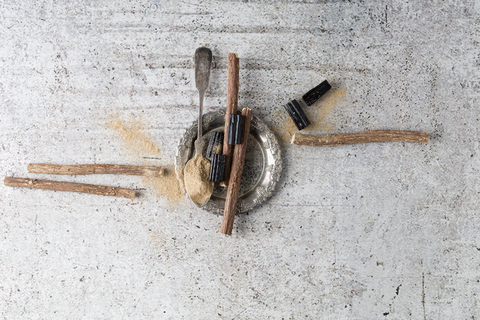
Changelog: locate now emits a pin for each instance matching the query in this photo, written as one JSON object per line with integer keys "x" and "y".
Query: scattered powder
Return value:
{"x": 285, "y": 127}
{"x": 317, "y": 114}
{"x": 181, "y": 181}
{"x": 196, "y": 173}
{"x": 133, "y": 137}
{"x": 325, "y": 106}
{"x": 167, "y": 187}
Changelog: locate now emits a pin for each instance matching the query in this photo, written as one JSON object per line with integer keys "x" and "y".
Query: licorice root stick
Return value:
{"x": 81, "y": 169}
{"x": 69, "y": 186}
{"x": 359, "y": 137}
{"x": 232, "y": 106}
{"x": 238, "y": 161}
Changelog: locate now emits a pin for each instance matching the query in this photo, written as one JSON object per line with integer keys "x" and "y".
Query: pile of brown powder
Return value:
{"x": 196, "y": 175}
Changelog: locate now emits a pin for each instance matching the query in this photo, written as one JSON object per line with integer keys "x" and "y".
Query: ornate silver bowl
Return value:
{"x": 262, "y": 169}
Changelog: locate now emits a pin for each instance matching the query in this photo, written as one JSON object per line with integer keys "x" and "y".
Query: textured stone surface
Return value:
{"x": 378, "y": 231}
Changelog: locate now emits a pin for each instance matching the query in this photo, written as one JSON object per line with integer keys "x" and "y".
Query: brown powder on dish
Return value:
{"x": 196, "y": 174}
{"x": 167, "y": 187}
{"x": 133, "y": 137}
{"x": 218, "y": 149}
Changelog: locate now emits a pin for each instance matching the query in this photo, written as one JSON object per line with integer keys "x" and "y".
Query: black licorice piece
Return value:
{"x": 215, "y": 146}
{"x": 234, "y": 135}
{"x": 296, "y": 113}
{"x": 313, "y": 95}
{"x": 294, "y": 107}
{"x": 217, "y": 168}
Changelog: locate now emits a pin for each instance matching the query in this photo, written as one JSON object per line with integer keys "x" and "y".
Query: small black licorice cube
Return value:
{"x": 235, "y": 129}
{"x": 296, "y": 113}
{"x": 217, "y": 168}
{"x": 316, "y": 93}
{"x": 215, "y": 146}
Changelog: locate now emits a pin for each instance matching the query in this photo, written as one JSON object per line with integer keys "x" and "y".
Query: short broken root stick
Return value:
{"x": 69, "y": 186}
{"x": 80, "y": 169}
{"x": 359, "y": 137}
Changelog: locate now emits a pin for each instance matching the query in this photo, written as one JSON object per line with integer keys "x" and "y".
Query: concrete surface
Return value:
{"x": 378, "y": 231}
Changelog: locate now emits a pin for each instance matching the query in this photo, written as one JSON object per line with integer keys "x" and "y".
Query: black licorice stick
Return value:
{"x": 296, "y": 113}
{"x": 217, "y": 168}
{"x": 316, "y": 93}
{"x": 295, "y": 107}
{"x": 235, "y": 129}
{"x": 215, "y": 146}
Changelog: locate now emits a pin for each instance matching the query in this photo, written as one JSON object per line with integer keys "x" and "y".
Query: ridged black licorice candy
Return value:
{"x": 217, "y": 168}
{"x": 235, "y": 129}
{"x": 313, "y": 95}
{"x": 215, "y": 146}
{"x": 296, "y": 113}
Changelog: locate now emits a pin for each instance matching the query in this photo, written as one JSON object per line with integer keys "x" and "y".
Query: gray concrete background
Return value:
{"x": 378, "y": 231}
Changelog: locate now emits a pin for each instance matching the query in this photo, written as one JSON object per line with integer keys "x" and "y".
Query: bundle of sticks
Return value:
{"x": 234, "y": 145}
{"x": 82, "y": 169}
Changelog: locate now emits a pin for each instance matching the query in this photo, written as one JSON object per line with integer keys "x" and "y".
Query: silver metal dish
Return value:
{"x": 262, "y": 169}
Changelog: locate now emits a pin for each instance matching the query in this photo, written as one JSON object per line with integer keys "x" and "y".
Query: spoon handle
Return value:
{"x": 201, "y": 95}
{"x": 203, "y": 64}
